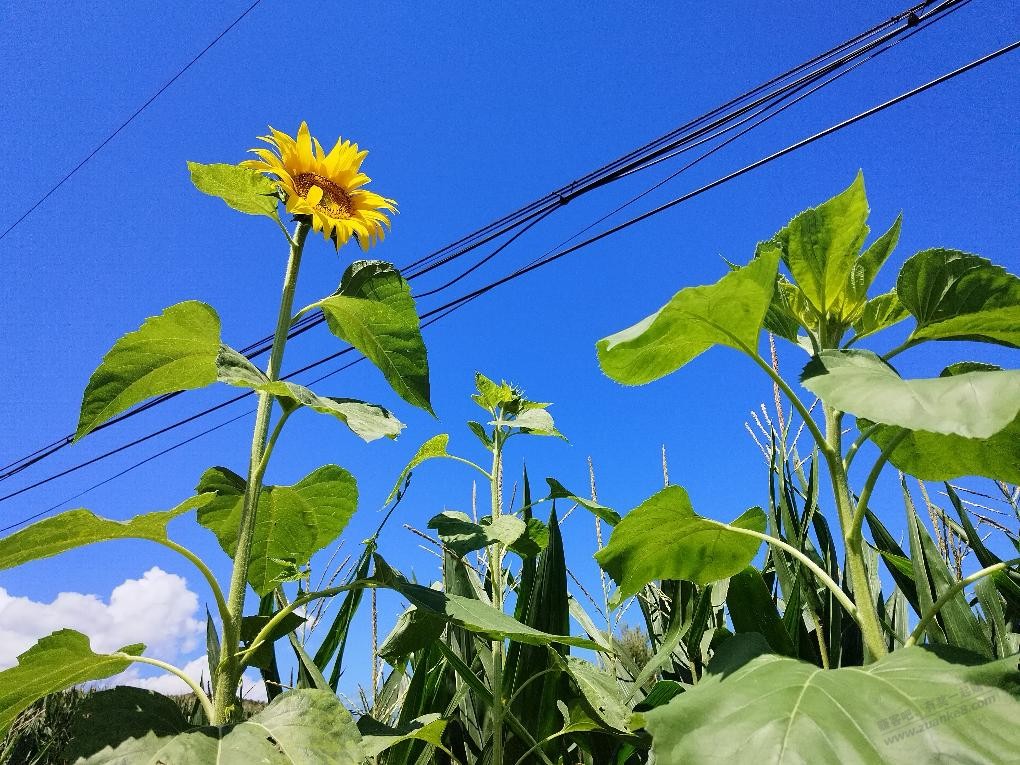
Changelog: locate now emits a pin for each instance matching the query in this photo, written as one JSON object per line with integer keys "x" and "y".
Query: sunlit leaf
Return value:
{"x": 304, "y": 727}
{"x": 243, "y": 189}
{"x": 972, "y": 405}
{"x": 879, "y": 313}
{"x": 958, "y": 296}
{"x": 431, "y": 449}
{"x": 58, "y": 661}
{"x": 729, "y": 312}
{"x": 820, "y": 245}
{"x": 462, "y": 535}
{"x": 907, "y": 707}
{"x": 174, "y": 351}
{"x": 373, "y": 311}
{"x": 292, "y": 524}
{"x": 77, "y": 528}
{"x": 378, "y": 737}
{"x": 663, "y": 538}
{"x": 559, "y": 491}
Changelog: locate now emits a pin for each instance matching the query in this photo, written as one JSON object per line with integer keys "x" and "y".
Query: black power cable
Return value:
{"x": 442, "y": 311}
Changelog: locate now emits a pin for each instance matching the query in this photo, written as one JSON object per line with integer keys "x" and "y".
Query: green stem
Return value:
{"x": 496, "y": 576}
{"x": 867, "y": 615}
{"x": 946, "y": 596}
{"x": 228, "y": 672}
{"x": 817, "y": 570}
{"x": 869, "y": 485}
{"x": 863, "y": 436}
{"x": 199, "y": 693}
{"x": 908, "y": 343}
{"x": 805, "y": 415}
{"x": 479, "y": 468}
{"x": 221, "y": 603}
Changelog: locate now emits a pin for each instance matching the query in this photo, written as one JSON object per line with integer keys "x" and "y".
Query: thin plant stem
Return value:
{"x": 221, "y": 603}
{"x": 195, "y": 687}
{"x": 496, "y": 577}
{"x": 229, "y": 672}
{"x": 857, "y": 522}
{"x": 950, "y": 593}
{"x": 858, "y": 442}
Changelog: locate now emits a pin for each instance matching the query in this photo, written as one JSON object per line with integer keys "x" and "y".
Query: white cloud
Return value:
{"x": 158, "y": 610}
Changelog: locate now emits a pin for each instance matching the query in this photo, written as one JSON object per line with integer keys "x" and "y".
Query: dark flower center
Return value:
{"x": 336, "y": 201}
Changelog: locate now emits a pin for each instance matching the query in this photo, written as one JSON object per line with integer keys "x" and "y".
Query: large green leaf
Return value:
{"x": 820, "y": 246}
{"x": 378, "y": 736}
{"x": 602, "y": 692}
{"x": 368, "y": 421}
{"x": 663, "y": 538}
{"x": 292, "y": 524}
{"x": 958, "y": 296}
{"x": 907, "y": 707}
{"x": 972, "y": 404}
{"x": 77, "y": 528}
{"x": 880, "y": 312}
{"x": 242, "y": 188}
{"x": 373, "y": 311}
{"x": 729, "y": 312}
{"x": 110, "y": 716}
{"x": 174, "y": 351}
{"x": 58, "y": 661}
{"x": 306, "y": 727}
{"x": 462, "y": 535}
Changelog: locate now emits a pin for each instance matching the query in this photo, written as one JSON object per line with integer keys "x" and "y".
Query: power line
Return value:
{"x": 441, "y": 312}
{"x": 623, "y": 168}
{"x": 129, "y": 120}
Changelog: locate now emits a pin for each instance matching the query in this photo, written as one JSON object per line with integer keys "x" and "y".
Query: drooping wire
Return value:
{"x": 436, "y": 314}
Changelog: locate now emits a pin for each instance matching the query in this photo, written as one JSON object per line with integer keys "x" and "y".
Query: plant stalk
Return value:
{"x": 229, "y": 670}
{"x": 867, "y": 615}
{"x": 496, "y": 576}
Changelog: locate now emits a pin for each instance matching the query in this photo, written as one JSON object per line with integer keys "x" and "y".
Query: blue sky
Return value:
{"x": 468, "y": 113}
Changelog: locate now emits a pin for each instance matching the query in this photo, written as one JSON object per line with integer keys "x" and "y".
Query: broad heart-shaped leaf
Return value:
{"x": 972, "y": 405}
{"x": 602, "y": 692}
{"x": 107, "y": 717}
{"x": 820, "y": 245}
{"x": 468, "y": 613}
{"x": 292, "y": 524}
{"x": 174, "y": 351}
{"x": 304, "y": 727}
{"x": 58, "y": 661}
{"x": 938, "y": 457}
{"x": 368, "y": 421}
{"x": 663, "y": 538}
{"x": 958, "y": 296}
{"x": 77, "y": 528}
{"x": 462, "y": 535}
{"x": 373, "y": 311}
{"x": 431, "y": 449}
{"x": 729, "y": 312}
{"x": 243, "y": 189}
{"x": 415, "y": 630}
{"x": 909, "y": 706}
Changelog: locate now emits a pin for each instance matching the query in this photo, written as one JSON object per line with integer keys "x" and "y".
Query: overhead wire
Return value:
{"x": 626, "y": 165}
{"x": 447, "y": 308}
{"x": 441, "y": 312}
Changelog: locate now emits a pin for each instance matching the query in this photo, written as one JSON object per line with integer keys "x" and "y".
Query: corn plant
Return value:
{"x": 966, "y": 422}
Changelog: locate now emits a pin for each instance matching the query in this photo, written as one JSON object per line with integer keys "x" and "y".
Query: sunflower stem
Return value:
{"x": 228, "y": 673}
{"x": 496, "y": 577}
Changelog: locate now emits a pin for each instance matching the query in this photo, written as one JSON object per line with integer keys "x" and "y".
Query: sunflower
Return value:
{"x": 325, "y": 187}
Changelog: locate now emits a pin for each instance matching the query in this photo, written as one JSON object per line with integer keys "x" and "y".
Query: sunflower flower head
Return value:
{"x": 327, "y": 188}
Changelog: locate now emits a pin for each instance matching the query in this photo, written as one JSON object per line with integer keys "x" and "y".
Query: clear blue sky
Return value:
{"x": 468, "y": 112}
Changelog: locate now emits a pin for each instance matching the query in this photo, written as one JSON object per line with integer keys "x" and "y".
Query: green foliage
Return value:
{"x": 957, "y": 296}
{"x": 908, "y": 706}
{"x": 176, "y": 350}
{"x": 58, "y": 661}
{"x": 244, "y": 190}
{"x": 373, "y": 311}
{"x": 108, "y": 717}
{"x": 77, "y": 528}
{"x": 974, "y": 405}
{"x": 729, "y": 312}
{"x": 663, "y": 538}
{"x": 434, "y": 448}
{"x": 462, "y": 535}
{"x": 305, "y": 727}
{"x": 294, "y": 522}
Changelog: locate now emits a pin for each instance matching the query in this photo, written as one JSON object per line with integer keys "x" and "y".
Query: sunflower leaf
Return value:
{"x": 293, "y": 522}
{"x": 174, "y": 351}
{"x": 373, "y": 311}
{"x": 243, "y": 189}
{"x": 58, "y": 661}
